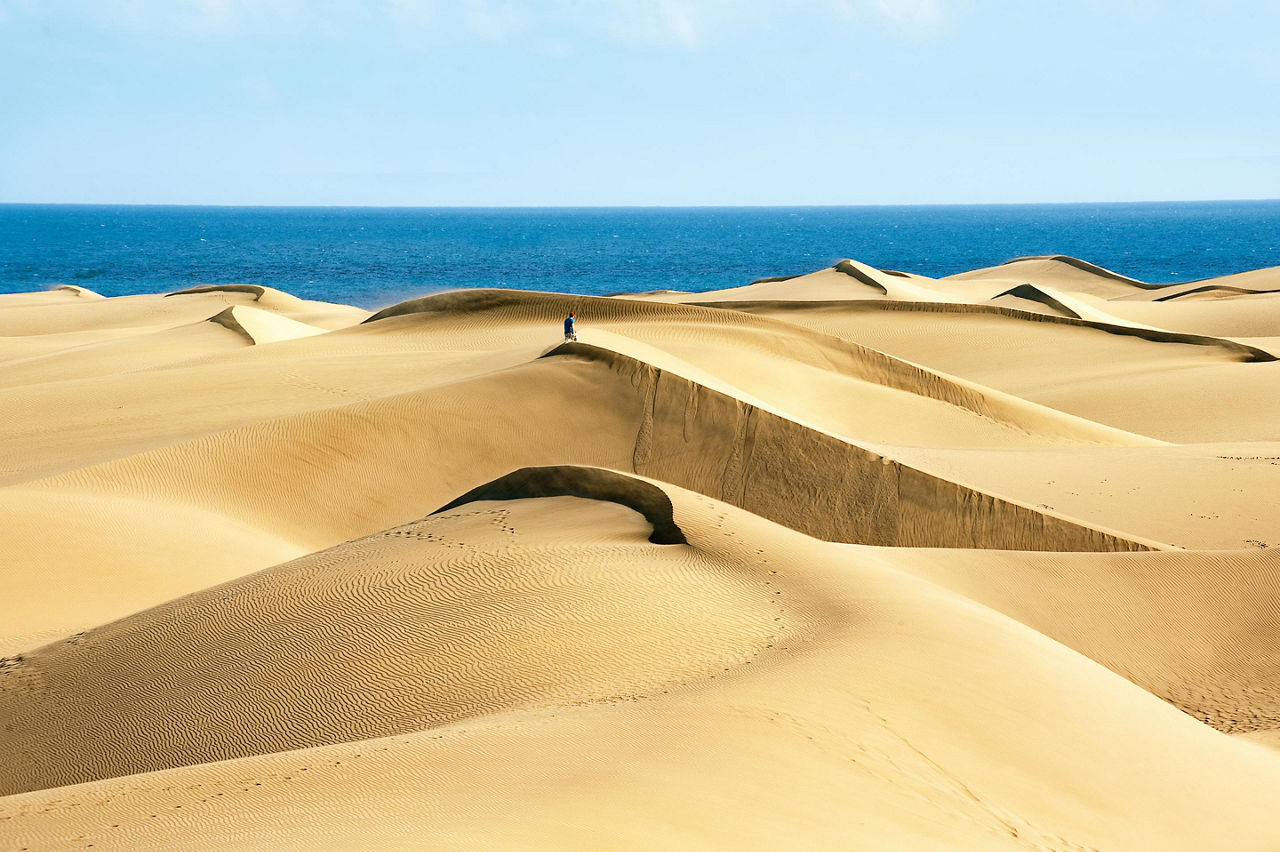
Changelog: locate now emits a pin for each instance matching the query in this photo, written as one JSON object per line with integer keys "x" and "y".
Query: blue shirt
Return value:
{"x": 568, "y": 325}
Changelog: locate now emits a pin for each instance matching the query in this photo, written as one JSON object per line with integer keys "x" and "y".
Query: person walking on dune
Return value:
{"x": 569, "y": 331}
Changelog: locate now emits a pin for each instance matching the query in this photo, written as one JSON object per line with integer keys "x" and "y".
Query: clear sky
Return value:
{"x": 672, "y": 102}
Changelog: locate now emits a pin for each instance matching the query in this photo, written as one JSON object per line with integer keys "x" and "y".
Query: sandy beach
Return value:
{"x": 855, "y": 559}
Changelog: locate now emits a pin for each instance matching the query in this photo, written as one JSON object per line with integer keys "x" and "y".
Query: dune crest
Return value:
{"x": 590, "y": 483}
{"x": 260, "y": 294}
{"x": 83, "y": 292}
{"x": 1213, "y": 290}
{"x": 1245, "y": 351}
{"x": 259, "y": 326}
{"x": 858, "y": 273}
{"x": 1029, "y": 293}
{"x": 1083, "y": 266}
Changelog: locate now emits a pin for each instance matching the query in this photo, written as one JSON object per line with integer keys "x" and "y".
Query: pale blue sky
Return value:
{"x": 567, "y": 102}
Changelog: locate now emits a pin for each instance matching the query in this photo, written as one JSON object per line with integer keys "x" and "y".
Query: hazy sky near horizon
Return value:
{"x": 602, "y": 102}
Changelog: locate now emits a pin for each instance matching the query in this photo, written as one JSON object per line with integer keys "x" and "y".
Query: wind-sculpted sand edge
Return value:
{"x": 703, "y": 440}
{"x": 1086, "y": 266}
{"x": 590, "y": 483}
{"x": 1243, "y": 351}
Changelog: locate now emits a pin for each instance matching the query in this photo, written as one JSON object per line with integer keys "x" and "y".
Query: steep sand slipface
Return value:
{"x": 818, "y": 483}
{"x": 227, "y": 567}
{"x": 592, "y": 483}
{"x": 259, "y": 326}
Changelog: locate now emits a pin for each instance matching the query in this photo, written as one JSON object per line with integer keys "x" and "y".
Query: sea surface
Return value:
{"x": 372, "y": 256}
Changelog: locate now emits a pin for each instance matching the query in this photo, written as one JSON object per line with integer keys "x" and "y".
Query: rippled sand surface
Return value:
{"x": 858, "y": 559}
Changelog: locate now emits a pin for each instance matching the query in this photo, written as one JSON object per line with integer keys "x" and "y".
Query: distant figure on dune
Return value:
{"x": 569, "y": 332}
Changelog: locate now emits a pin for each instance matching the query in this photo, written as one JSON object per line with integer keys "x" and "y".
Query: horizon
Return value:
{"x": 617, "y": 103}
{"x": 780, "y": 206}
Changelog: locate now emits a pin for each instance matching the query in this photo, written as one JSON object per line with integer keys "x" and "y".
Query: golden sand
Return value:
{"x": 858, "y": 559}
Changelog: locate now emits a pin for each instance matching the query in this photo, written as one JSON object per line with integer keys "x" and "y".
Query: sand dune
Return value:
{"x": 1214, "y": 291}
{"x": 854, "y": 558}
{"x": 1197, "y": 629}
{"x": 765, "y": 653}
{"x": 1254, "y": 281}
{"x": 1069, "y": 273}
{"x": 74, "y": 561}
{"x": 1243, "y": 316}
{"x": 258, "y": 326}
{"x": 421, "y": 625}
{"x": 61, "y": 311}
{"x": 83, "y": 292}
{"x": 653, "y": 421}
{"x": 1064, "y": 363}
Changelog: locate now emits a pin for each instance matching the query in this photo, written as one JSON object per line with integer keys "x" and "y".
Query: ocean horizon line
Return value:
{"x": 761, "y": 206}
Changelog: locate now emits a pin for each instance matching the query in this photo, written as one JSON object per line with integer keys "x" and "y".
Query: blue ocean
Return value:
{"x": 373, "y": 257}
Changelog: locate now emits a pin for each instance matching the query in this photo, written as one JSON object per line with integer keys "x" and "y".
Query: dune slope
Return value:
{"x": 855, "y": 558}
{"x": 750, "y": 653}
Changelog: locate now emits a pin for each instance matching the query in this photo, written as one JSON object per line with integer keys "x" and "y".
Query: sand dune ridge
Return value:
{"x": 855, "y": 557}
{"x": 590, "y": 483}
